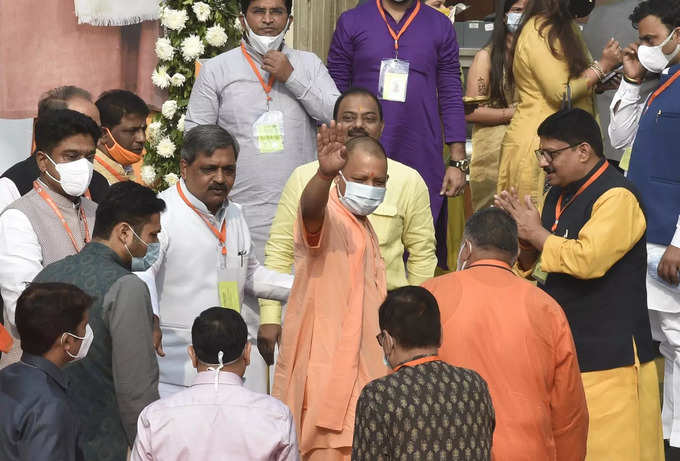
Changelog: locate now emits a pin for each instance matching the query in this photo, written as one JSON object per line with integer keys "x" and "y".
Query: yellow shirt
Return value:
{"x": 110, "y": 169}
{"x": 403, "y": 222}
{"x": 540, "y": 81}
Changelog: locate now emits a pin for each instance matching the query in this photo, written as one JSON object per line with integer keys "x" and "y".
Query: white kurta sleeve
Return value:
{"x": 8, "y": 193}
{"x": 20, "y": 260}
{"x": 266, "y": 283}
{"x": 625, "y": 112}
{"x": 314, "y": 88}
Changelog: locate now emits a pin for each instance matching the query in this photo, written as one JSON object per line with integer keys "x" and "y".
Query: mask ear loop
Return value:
{"x": 217, "y": 369}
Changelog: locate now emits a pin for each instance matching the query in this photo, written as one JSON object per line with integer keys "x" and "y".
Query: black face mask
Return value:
{"x": 581, "y": 8}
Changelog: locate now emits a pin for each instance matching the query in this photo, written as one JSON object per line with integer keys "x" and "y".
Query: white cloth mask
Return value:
{"x": 653, "y": 58}
{"x": 513, "y": 22}
{"x": 84, "y": 346}
{"x": 361, "y": 199}
{"x": 75, "y": 176}
{"x": 265, "y": 43}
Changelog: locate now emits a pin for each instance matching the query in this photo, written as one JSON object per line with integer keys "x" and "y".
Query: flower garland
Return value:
{"x": 193, "y": 30}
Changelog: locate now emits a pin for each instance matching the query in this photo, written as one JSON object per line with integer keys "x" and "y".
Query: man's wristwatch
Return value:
{"x": 462, "y": 165}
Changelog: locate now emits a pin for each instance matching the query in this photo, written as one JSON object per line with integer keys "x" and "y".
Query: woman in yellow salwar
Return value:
{"x": 487, "y": 83}
{"x": 549, "y": 54}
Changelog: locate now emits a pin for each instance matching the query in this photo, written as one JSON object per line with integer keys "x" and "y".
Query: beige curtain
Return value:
{"x": 42, "y": 46}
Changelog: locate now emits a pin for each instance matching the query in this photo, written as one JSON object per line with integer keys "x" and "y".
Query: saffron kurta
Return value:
{"x": 413, "y": 132}
{"x": 328, "y": 349}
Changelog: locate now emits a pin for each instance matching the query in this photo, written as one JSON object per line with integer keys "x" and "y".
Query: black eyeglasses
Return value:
{"x": 549, "y": 155}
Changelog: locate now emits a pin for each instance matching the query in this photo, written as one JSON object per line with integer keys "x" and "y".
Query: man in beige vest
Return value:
{"x": 53, "y": 220}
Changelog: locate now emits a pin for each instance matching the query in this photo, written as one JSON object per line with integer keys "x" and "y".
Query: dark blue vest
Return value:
{"x": 655, "y": 162}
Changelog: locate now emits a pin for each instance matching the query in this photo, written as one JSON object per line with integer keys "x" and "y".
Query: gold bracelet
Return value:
{"x": 598, "y": 70}
{"x": 632, "y": 81}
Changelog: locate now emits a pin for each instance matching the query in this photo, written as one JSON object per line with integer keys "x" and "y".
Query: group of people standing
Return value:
{"x": 164, "y": 296}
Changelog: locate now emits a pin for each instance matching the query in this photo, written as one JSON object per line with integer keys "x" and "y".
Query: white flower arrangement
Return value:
{"x": 216, "y": 36}
{"x": 160, "y": 77}
{"x": 169, "y": 108}
{"x": 148, "y": 174}
{"x": 171, "y": 179}
{"x": 192, "y": 29}
{"x": 192, "y": 48}
{"x": 166, "y": 148}
{"x": 177, "y": 79}
{"x": 164, "y": 49}
{"x": 174, "y": 19}
{"x": 202, "y": 11}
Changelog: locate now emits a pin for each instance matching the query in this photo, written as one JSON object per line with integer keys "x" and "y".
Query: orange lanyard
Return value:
{"x": 221, "y": 235}
{"x": 45, "y": 196}
{"x": 267, "y": 87}
{"x": 413, "y": 363}
{"x": 408, "y": 22}
{"x": 110, "y": 169}
{"x": 663, "y": 88}
{"x": 559, "y": 210}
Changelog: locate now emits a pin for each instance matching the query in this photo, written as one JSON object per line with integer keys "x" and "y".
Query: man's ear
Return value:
{"x": 41, "y": 160}
{"x": 183, "y": 165}
{"x": 382, "y": 127}
{"x": 586, "y": 152}
{"x": 192, "y": 356}
{"x": 105, "y": 139}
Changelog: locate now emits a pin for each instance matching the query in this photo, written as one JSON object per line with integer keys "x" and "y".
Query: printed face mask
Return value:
{"x": 152, "y": 252}
{"x": 75, "y": 176}
{"x": 653, "y": 58}
{"x": 265, "y": 43}
{"x": 513, "y": 22}
{"x": 84, "y": 346}
{"x": 361, "y": 199}
{"x": 120, "y": 154}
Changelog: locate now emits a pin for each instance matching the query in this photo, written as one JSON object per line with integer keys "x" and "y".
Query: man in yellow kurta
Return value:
{"x": 590, "y": 246}
{"x": 123, "y": 115}
{"x": 328, "y": 349}
{"x": 402, "y": 222}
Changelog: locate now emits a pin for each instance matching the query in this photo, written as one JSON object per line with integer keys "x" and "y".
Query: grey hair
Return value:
{"x": 493, "y": 229}
{"x": 57, "y": 98}
{"x": 206, "y": 139}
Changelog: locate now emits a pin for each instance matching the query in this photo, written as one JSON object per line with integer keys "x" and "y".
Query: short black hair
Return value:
{"x": 573, "y": 126}
{"x": 246, "y": 3}
{"x": 129, "y": 202}
{"x": 372, "y": 145}
{"x": 58, "y": 98}
{"x": 410, "y": 315}
{"x": 45, "y": 311}
{"x": 53, "y": 126}
{"x": 668, "y": 11}
{"x": 206, "y": 139}
{"x": 113, "y": 105}
{"x": 492, "y": 229}
{"x": 357, "y": 91}
{"x": 219, "y": 329}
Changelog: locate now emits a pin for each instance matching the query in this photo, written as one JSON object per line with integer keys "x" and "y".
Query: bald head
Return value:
{"x": 365, "y": 145}
{"x": 366, "y": 162}
{"x": 69, "y": 97}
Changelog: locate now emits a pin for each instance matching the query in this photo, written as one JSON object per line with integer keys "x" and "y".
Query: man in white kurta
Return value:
{"x": 189, "y": 273}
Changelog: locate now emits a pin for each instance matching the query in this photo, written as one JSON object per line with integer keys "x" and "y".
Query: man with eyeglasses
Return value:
{"x": 588, "y": 251}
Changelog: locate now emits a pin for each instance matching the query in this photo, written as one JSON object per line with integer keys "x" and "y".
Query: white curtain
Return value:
{"x": 115, "y": 12}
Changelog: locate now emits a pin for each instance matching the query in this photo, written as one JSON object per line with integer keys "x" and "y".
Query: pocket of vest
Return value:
{"x": 664, "y": 180}
{"x": 661, "y": 115}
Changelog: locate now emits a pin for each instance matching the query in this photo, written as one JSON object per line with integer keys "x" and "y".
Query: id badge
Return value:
{"x": 230, "y": 283}
{"x": 393, "y": 80}
{"x": 268, "y": 132}
{"x": 539, "y": 274}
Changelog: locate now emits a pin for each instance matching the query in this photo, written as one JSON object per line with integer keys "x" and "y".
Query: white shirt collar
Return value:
{"x": 200, "y": 206}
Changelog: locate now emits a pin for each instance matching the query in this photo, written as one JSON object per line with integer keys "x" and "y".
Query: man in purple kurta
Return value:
{"x": 413, "y": 129}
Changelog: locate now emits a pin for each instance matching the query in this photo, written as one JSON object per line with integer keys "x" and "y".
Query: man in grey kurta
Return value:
{"x": 229, "y": 93}
{"x": 119, "y": 376}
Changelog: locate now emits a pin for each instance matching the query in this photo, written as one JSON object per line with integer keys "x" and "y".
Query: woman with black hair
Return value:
{"x": 494, "y": 97}
{"x": 551, "y": 68}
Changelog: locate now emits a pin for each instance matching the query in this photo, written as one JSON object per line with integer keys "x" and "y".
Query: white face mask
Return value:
{"x": 265, "y": 43}
{"x": 84, "y": 346}
{"x": 361, "y": 199}
{"x": 653, "y": 58}
{"x": 75, "y": 176}
{"x": 513, "y": 22}
{"x": 461, "y": 266}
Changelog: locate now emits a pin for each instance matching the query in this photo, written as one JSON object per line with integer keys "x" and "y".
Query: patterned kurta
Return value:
{"x": 431, "y": 411}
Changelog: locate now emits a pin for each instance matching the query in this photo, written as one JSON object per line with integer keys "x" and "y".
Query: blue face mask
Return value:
{"x": 152, "y": 251}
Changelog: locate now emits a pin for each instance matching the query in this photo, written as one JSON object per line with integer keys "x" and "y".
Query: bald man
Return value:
{"x": 339, "y": 284}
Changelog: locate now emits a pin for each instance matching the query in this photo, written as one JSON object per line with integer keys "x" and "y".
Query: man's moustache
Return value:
{"x": 357, "y": 132}
{"x": 221, "y": 188}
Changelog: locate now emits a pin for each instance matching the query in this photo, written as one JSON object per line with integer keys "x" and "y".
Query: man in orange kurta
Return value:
{"x": 518, "y": 339}
{"x": 328, "y": 349}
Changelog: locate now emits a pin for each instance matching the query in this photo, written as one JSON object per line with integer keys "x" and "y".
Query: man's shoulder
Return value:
{"x": 56, "y": 271}
{"x": 222, "y": 60}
